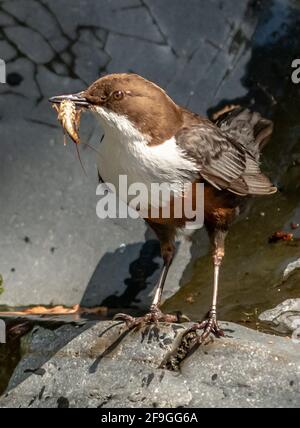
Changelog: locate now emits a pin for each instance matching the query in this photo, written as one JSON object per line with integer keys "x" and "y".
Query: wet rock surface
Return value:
{"x": 54, "y": 250}
{"x": 285, "y": 316}
{"x": 105, "y": 366}
{"x": 292, "y": 268}
{"x": 53, "y": 47}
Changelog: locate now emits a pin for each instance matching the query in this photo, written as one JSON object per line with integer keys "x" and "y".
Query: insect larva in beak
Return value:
{"x": 69, "y": 117}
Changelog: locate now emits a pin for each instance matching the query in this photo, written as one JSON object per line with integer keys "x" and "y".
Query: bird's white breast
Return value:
{"x": 125, "y": 151}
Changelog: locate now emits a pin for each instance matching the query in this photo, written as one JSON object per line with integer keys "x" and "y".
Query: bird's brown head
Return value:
{"x": 144, "y": 104}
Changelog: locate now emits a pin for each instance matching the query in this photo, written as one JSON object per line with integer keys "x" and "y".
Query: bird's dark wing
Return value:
{"x": 247, "y": 127}
{"x": 223, "y": 162}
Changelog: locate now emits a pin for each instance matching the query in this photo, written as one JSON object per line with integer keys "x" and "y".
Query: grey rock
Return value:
{"x": 8, "y": 52}
{"x": 291, "y": 268}
{"x": 19, "y": 104}
{"x": 131, "y": 21}
{"x": 231, "y": 82}
{"x": 125, "y": 17}
{"x": 141, "y": 57}
{"x": 232, "y": 10}
{"x": 40, "y": 345}
{"x": 285, "y": 316}
{"x": 60, "y": 68}
{"x": 37, "y": 16}
{"x": 68, "y": 14}
{"x": 66, "y": 58}
{"x": 190, "y": 72}
{"x": 50, "y": 83}
{"x": 34, "y": 16}
{"x": 28, "y": 87}
{"x": 59, "y": 43}
{"x": 107, "y": 366}
{"x": 5, "y": 19}
{"x": 206, "y": 87}
{"x": 90, "y": 58}
{"x": 101, "y": 35}
{"x": 30, "y": 43}
{"x": 178, "y": 22}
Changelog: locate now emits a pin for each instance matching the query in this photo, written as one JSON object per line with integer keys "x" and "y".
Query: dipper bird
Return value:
{"x": 149, "y": 138}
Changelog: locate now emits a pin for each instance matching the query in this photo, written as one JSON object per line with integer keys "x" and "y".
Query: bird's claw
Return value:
{"x": 209, "y": 327}
{"x": 190, "y": 340}
{"x": 153, "y": 317}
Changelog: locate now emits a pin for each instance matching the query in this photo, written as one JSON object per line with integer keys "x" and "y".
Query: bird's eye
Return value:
{"x": 118, "y": 95}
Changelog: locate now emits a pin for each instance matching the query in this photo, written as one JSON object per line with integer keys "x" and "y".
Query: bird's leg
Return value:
{"x": 155, "y": 315}
{"x": 210, "y": 324}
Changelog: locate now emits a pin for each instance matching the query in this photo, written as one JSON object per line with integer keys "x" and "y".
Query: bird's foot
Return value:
{"x": 153, "y": 317}
{"x": 208, "y": 327}
{"x": 190, "y": 340}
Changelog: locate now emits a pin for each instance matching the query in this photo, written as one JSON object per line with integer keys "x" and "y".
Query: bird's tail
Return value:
{"x": 248, "y": 128}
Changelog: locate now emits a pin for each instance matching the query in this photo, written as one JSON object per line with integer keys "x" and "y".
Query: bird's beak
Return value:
{"x": 79, "y": 99}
